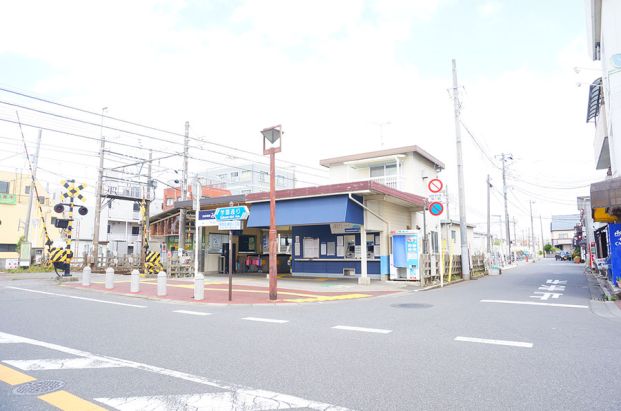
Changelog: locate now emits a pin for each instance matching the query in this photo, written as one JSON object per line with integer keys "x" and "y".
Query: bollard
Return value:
{"x": 109, "y": 278}
{"x": 199, "y": 287}
{"x": 86, "y": 276}
{"x": 161, "y": 283}
{"x": 135, "y": 282}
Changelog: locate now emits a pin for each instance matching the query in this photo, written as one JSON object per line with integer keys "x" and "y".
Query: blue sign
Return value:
{"x": 207, "y": 218}
{"x": 412, "y": 256}
{"x": 614, "y": 231}
{"x": 232, "y": 213}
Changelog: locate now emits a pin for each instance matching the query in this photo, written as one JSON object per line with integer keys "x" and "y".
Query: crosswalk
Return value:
{"x": 216, "y": 395}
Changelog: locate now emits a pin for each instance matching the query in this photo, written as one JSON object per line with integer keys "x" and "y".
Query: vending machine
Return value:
{"x": 405, "y": 257}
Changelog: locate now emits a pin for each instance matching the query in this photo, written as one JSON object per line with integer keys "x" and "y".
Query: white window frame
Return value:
{"x": 310, "y": 247}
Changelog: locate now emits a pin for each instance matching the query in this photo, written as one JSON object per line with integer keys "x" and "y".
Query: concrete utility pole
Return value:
{"x": 35, "y": 163}
{"x": 489, "y": 228}
{"x": 515, "y": 241}
{"x": 184, "y": 186}
{"x": 465, "y": 258}
{"x": 542, "y": 241}
{"x": 149, "y": 185}
{"x": 506, "y": 157}
{"x": 532, "y": 230}
{"x": 98, "y": 193}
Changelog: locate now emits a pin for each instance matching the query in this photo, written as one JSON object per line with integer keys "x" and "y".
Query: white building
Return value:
{"x": 248, "y": 178}
{"x": 562, "y": 230}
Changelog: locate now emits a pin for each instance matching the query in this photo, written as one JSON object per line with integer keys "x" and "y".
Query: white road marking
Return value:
{"x": 362, "y": 329}
{"x": 62, "y": 364}
{"x": 76, "y": 297}
{"x": 534, "y": 303}
{"x": 265, "y": 320}
{"x": 564, "y": 282}
{"x": 545, "y": 295}
{"x": 495, "y": 342}
{"x": 191, "y": 312}
{"x": 552, "y": 287}
{"x": 283, "y": 400}
{"x": 212, "y": 401}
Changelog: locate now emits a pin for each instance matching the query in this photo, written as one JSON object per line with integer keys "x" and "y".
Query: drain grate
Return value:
{"x": 38, "y": 387}
{"x": 412, "y": 305}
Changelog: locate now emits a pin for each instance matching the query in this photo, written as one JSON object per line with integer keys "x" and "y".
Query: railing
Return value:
{"x": 389, "y": 181}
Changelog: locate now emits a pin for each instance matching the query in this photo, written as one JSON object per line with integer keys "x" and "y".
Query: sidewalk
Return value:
{"x": 248, "y": 289}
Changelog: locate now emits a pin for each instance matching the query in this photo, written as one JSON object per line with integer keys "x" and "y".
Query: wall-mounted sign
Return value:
{"x": 230, "y": 225}
{"x": 344, "y": 228}
{"x": 207, "y": 218}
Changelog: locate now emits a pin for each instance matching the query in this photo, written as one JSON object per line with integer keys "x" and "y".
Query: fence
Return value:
{"x": 431, "y": 268}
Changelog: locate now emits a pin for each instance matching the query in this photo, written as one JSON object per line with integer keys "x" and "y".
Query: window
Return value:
{"x": 41, "y": 200}
{"x": 247, "y": 243}
{"x": 110, "y": 204}
{"x": 215, "y": 243}
{"x": 169, "y": 201}
{"x": 27, "y": 190}
{"x": 246, "y": 175}
{"x": 311, "y": 248}
{"x": 8, "y": 248}
{"x": 135, "y": 230}
{"x": 136, "y": 206}
{"x": 235, "y": 176}
{"x": 108, "y": 228}
{"x": 4, "y": 187}
{"x": 280, "y": 180}
{"x": 383, "y": 170}
{"x": 453, "y": 235}
{"x": 262, "y": 176}
{"x": 130, "y": 249}
{"x": 222, "y": 177}
{"x": 563, "y": 235}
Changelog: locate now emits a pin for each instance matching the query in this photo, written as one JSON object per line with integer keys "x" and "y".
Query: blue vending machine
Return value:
{"x": 614, "y": 255}
{"x": 405, "y": 257}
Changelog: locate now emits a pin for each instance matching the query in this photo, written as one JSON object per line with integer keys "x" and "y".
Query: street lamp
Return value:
{"x": 272, "y": 135}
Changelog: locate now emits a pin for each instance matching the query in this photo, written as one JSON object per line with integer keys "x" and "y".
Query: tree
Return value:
{"x": 548, "y": 248}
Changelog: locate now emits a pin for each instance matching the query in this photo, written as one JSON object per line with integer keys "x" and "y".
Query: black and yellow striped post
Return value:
{"x": 72, "y": 191}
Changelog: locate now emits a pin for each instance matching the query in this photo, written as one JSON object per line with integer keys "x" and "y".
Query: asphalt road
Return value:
{"x": 532, "y": 338}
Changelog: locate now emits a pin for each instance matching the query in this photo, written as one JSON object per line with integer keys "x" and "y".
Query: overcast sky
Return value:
{"x": 330, "y": 71}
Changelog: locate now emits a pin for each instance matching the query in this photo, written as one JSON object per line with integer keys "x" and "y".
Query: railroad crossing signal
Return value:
{"x": 72, "y": 190}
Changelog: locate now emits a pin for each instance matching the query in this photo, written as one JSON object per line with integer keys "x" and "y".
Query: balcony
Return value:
{"x": 395, "y": 182}
{"x": 8, "y": 199}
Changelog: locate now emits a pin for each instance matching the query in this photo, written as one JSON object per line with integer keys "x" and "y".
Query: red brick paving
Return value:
{"x": 218, "y": 293}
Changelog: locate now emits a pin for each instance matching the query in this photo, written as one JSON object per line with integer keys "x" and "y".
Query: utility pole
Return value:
{"x": 489, "y": 237}
{"x": 35, "y": 163}
{"x": 532, "y": 230}
{"x": 541, "y": 228}
{"x": 515, "y": 241}
{"x": 465, "y": 261}
{"x": 146, "y": 200}
{"x": 506, "y": 157}
{"x": 184, "y": 186}
{"x": 98, "y": 193}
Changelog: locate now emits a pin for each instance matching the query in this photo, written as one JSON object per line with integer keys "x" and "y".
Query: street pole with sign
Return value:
{"x": 273, "y": 136}
{"x": 229, "y": 218}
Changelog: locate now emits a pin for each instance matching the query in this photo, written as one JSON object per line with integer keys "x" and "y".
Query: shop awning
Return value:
{"x": 606, "y": 200}
{"x": 307, "y": 211}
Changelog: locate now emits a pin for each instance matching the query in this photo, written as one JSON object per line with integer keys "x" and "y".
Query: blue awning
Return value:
{"x": 307, "y": 211}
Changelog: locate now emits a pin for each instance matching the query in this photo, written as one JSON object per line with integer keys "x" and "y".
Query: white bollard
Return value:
{"x": 135, "y": 282}
{"x": 199, "y": 287}
{"x": 86, "y": 276}
{"x": 109, "y": 278}
{"x": 161, "y": 283}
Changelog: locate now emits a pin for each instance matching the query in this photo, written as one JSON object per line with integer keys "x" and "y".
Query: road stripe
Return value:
{"x": 191, "y": 312}
{"x": 212, "y": 401}
{"x": 495, "y": 342}
{"x": 265, "y": 320}
{"x": 13, "y": 377}
{"x": 61, "y": 364}
{"x": 76, "y": 297}
{"x": 69, "y": 402}
{"x": 362, "y": 329}
{"x": 534, "y": 303}
{"x": 283, "y": 400}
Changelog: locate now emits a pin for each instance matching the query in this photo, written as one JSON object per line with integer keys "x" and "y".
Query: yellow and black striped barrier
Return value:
{"x": 153, "y": 263}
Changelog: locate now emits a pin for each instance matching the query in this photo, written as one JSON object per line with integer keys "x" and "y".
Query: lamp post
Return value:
{"x": 272, "y": 144}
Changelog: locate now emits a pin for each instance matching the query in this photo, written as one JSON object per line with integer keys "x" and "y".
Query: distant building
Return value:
{"x": 15, "y": 191}
{"x": 173, "y": 194}
{"x": 562, "y": 230}
{"x": 247, "y": 178}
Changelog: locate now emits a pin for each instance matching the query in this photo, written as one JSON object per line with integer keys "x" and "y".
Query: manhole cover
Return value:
{"x": 412, "y": 305}
{"x": 38, "y": 387}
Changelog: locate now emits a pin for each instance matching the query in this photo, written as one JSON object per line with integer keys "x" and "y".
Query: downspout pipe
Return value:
{"x": 387, "y": 236}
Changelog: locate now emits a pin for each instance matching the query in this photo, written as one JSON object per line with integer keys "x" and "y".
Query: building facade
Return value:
{"x": 248, "y": 178}
{"x": 562, "y": 230}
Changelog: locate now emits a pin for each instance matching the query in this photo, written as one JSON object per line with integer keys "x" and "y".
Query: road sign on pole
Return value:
{"x": 232, "y": 213}
{"x": 435, "y": 185}
{"x": 436, "y": 208}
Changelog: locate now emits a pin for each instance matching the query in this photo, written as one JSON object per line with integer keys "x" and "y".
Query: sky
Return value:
{"x": 331, "y": 72}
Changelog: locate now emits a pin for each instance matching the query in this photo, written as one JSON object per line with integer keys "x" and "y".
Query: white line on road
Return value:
{"x": 265, "y": 320}
{"x": 534, "y": 303}
{"x": 191, "y": 312}
{"x": 62, "y": 364}
{"x": 283, "y": 400}
{"x": 76, "y": 297}
{"x": 362, "y": 329}
{"x": 495, "y": 342}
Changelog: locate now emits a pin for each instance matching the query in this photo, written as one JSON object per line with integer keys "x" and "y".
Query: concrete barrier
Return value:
{"x": 161, "y": 284}
{"x": 135, "y": 282}
{"x": 109, "y": 278}
{"x": 199, "y": 287}
{"x": 86, "y": 276}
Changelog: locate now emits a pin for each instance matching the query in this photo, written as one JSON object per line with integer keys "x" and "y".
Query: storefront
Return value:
{"x": 606, "y": 208}
{"x": 339, "y": 229}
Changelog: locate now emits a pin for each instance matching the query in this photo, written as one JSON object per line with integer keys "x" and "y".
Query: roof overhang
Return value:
{"x": 212, "y": 202}
{"x": 383, "y": 153}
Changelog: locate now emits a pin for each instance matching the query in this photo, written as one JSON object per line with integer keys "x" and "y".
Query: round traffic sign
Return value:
{"x": 435, "y": 185}
{"x": 436, "y": 208}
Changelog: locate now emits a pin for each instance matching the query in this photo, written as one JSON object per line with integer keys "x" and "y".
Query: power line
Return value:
{"x": 487, "y": 156}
